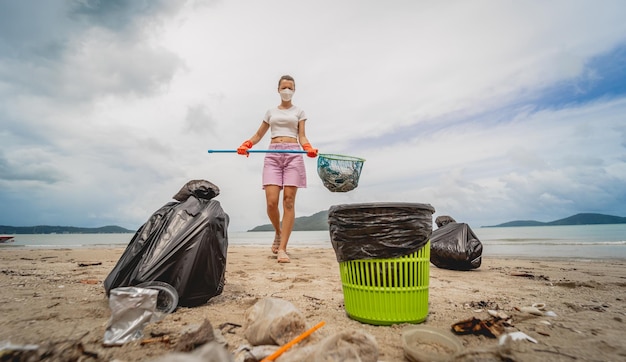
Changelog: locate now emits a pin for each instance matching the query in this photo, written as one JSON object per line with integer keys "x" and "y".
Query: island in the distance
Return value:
{"x": 319, "y": 221}
{"x": 315, "y": 222}
{"x": 46, "y": 229}
{"x": 578, "y": 219}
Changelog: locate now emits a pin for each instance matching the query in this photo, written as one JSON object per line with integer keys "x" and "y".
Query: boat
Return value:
{"x": 6, "y": 239}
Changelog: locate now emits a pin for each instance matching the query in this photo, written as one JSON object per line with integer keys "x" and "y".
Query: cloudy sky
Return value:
{"x": 490, "y": 111}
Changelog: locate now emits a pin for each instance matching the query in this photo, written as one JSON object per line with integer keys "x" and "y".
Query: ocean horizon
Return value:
{"x": 607, "y": 241}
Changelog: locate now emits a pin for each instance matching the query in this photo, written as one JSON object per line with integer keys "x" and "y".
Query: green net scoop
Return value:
{"x": 339, "y": 173}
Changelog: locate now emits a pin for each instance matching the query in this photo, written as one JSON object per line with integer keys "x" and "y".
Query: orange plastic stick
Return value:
{"x": 291, "y": 343}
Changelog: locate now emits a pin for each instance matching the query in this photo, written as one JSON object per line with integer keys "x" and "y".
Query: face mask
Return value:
{"x": 286, "y": 94}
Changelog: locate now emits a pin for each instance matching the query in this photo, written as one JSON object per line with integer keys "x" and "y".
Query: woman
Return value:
{"x": 282, "y": 171}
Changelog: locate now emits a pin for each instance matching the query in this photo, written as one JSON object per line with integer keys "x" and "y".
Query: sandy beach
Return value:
{"x": 54, "y": 299}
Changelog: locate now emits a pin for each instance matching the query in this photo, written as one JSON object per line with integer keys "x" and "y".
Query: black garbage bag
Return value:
{"x": 378, "y": 230}
{"x": 183, "y": 244}
{"x": 443, "y": 220}
{"x": 455, "y": 246}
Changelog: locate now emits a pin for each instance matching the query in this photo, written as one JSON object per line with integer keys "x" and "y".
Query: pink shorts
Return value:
{"x": 284, "y": 169}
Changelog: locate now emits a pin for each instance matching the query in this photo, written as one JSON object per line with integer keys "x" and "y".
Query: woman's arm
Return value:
{"x": 306, "y": 145}
{"x": 302, "y": 133}
{"x": 260, "y": 133}
{"x": 247, "y": 144}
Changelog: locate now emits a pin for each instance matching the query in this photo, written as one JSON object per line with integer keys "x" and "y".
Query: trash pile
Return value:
{"x": 273, "y": 322}
{"x": 500, "y": 323}
{"x": 274, "y": 329}
{"x": 427, "y": 343}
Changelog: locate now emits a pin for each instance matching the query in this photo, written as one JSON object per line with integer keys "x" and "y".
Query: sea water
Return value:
{"x": 577, "y": 241}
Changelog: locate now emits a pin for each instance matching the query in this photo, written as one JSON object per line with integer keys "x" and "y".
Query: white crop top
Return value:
{"x": 284, "y": 122}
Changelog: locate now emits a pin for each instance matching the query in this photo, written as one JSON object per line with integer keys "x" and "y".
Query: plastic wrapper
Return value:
{"x": 455, "y": 246}
{"x": 273, "y": 321}
{"x": 131, "y": 310}
{"x": 183, "y": 244}
{"x": 346, "y": 345}
{"x": 209, "y": 352}
{"x": 378, "y": 230}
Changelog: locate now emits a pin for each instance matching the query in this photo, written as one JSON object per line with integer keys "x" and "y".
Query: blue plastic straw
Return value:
{"x": 259, "y": 151}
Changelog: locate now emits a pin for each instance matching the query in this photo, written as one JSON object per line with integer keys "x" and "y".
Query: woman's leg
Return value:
{"x": 272, "y": 193}
{"x": 289, "y": 215}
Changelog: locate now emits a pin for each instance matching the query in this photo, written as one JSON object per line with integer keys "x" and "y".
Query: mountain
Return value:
{"x": 578, "y": 219}
{"x": 317, "y": 221}
{"x": 589, "y": 219}
{"x": 46, "y": 229}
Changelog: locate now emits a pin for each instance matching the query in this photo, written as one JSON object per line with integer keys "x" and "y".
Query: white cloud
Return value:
{"x": 112, "y": 118}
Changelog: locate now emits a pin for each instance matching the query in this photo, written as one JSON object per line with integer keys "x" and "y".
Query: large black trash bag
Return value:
{"x": 379, "y": 230}
{"x": 455, "y": 246}
{"x": 183, "y": 244}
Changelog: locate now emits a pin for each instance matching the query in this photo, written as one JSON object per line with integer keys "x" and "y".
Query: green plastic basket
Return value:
{"x": 387, "y": 291}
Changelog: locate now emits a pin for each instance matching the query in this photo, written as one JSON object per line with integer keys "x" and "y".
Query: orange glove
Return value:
{"x": 243, "y": 149}
{"x": 310, "y": 151}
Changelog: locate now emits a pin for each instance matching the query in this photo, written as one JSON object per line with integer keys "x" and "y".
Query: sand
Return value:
{"x": 54, "y": 299}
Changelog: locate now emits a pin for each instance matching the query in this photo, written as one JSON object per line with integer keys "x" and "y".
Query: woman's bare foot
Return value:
{"x": 283, "y": 257}
{"x": 276, "y": 244}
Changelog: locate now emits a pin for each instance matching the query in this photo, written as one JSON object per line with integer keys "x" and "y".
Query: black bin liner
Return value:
{"x": 378, "y": 230}
{"x": 455, "y": 246}
{"x": 183, "y": 244}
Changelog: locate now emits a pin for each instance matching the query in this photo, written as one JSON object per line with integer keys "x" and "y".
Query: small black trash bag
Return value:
{"x": 455, "y": 246}
{"x": 443, "y": 220}
{"x": 379, "y": 230}
{"x": 183, "y": 244}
